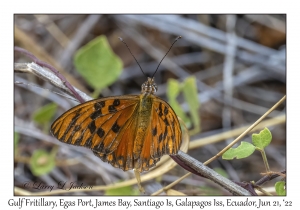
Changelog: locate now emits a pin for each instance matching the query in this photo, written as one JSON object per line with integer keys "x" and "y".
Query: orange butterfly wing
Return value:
{"x": 96, "y": 124}
{"x": 122, "y": 157}
{"x": 168, "y": 130}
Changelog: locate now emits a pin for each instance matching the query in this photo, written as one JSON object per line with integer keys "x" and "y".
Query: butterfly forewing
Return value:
{"x": 97, "y": 123}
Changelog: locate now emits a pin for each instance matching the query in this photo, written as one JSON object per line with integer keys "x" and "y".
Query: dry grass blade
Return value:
{"x": 175, "y": 193}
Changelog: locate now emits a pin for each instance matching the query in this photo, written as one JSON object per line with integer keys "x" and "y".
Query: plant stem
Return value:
{"x": 96, "y": 93}
{"x": 261, "y": 189}
{"x": 264, "y": 157}
{"x": 138, "y": 178}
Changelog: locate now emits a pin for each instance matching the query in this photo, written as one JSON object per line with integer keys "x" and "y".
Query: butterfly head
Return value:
{"x": 149, "y": 86}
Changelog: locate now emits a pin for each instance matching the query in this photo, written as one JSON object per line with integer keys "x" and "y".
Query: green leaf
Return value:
{"x": 122, "y": 191}
{"x": 262, "y": 139}
{"x": 98, "y": 64}
{"x": 45, "y": 113}
{"x": 242, "y": 151}
{"x": 191, "y": 96}
{"x": 16, "y": 141}
{"x": 41, "y": 162}
{"x": 173, "y": 90}
{"x": 279, "y": 187}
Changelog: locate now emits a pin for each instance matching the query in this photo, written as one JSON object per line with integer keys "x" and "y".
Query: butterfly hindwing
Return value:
{"x": 163, "y": 135}
{"x": 166, "y": 132}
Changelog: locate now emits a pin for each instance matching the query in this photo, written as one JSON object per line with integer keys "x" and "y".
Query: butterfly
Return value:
{"x": 128, "y": 131}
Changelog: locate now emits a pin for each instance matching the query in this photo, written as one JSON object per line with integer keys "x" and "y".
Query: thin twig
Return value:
{"x": 49, "y": 76}
{"x": 228, "y": 70}
{"x": 51, "y": 68}
{"x": 212, "y": 175}
{"x": 267, "y": 177}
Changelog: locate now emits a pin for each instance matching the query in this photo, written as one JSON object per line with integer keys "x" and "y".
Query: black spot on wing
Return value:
{"x": 112, "y": 109}
{"x": 92, "y": 127}
{"x": 99, "y": 105}
{"x": 166, "y": 111}
{"x": 160, "y": 137}
{"x": 115, "y": 128}
{"x": 104, "y": 156}
{"x": 165, "y": 134}
{"x": 88, "y": 143}
{"x": 154, "y": 131}
{"x": 116, "y": 102}
{"x": 160, "y": 110}
{"x": 166, "y": 122}
{"x": 78, "y": 141}
{"x": 96, "y": 114}
{"x": 100, "y": 132}
{"x": 99, "y": 147}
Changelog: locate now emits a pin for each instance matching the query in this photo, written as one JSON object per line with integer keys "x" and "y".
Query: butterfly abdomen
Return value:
{"x": 143, "y": 123}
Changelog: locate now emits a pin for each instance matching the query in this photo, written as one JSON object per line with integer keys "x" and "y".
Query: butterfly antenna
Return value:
{"x": 132, "y": 55}
{"x": 166, "y": 54}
